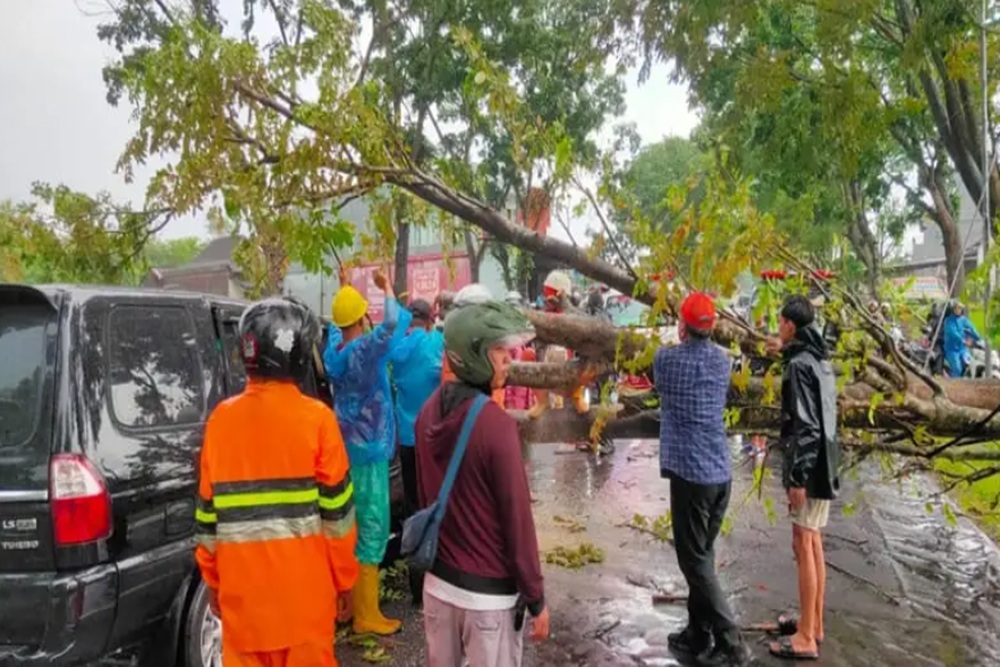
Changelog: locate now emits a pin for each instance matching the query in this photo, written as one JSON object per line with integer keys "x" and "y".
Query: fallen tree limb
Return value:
{"x": 566, "y": 425}
{"x": 879, "y": 399}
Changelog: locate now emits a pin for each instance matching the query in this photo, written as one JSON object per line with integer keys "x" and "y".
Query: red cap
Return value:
{"x": 698, "y": 311}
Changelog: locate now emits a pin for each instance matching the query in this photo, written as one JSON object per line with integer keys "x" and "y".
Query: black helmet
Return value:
{"x": 277, "y": 338}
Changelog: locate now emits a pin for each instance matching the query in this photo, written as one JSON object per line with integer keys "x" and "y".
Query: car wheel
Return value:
{"x": 202, "y": 633}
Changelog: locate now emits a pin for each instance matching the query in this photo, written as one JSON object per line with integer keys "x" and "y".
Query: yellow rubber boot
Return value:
{"x": 580, "y": 400}
{"x": 541, "y": 404}
{"x": 368, "y": 618}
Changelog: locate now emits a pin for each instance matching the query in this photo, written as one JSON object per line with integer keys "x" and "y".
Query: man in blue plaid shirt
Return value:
{"x": 692, "y": 380}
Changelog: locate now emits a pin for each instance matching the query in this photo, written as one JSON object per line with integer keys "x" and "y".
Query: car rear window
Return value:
{"x": 22, "y": 373}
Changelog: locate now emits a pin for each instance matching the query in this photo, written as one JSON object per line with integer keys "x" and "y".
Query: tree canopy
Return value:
{"x": 805, "y": 116}
{"x": 839, "y": 101}
{"x": 67, "y": 236}
{"x": 171, "y": 253}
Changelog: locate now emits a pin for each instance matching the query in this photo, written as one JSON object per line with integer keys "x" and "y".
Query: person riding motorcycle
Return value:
{"x": 958, "y": 331}
{"x": 275, "y": 512}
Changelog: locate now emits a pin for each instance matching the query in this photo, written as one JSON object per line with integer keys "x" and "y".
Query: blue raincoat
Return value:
{"x": 957, "y": 329}
{"x": 359, "y": 375}
{"x": 362, "y": 397}
{"x": 416, "y": 372}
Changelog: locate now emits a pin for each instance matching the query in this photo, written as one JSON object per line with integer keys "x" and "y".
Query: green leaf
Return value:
{"x": 769, "y": 511}
{"x": 230, "y": 205}
{"x": 564, "y": 155}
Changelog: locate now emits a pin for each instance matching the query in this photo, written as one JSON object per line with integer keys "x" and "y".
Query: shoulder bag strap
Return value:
{"x": 459, "y": 453}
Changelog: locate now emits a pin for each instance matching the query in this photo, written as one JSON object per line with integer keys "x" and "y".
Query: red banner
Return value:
{"x": 426, "y": 277}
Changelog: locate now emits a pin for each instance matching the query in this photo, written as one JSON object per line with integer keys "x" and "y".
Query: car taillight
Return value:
{"x": 81, "y": 505}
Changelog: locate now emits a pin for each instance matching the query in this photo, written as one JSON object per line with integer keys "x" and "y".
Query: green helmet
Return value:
{"x": 470, "y": 332}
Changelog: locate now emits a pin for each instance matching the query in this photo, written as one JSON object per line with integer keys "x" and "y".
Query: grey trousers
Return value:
{"x": 482, "y": 638}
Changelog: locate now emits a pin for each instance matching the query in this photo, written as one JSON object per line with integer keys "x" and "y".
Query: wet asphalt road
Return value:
{"x": 906, "y": 588}
{"x": 909, "y": 589}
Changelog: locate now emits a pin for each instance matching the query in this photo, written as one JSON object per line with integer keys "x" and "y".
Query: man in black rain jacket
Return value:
{"x": 811, "y": 463}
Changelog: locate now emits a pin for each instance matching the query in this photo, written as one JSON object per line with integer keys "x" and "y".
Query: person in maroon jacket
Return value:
{"x": 487, "y": 570}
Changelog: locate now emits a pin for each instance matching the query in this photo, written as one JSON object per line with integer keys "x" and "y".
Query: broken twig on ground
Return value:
{"x": 867, "y": 582}
{"x": 601, "y": 633}
{"x": 857, "y": 543}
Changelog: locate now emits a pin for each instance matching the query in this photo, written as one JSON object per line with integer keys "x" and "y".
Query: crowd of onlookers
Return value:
{"x": 293, "y": 505}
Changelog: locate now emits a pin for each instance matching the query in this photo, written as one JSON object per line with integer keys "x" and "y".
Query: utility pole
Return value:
{"x": 987, "y": 173}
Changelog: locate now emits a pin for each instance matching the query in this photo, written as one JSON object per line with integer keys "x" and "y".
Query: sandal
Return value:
{"x": 783, "y": 649}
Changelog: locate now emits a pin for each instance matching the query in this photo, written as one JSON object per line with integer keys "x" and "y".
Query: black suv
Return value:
{"x": 104, "y": 393}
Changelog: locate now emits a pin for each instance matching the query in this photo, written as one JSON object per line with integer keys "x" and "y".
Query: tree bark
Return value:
{"x": 956, "y": 122}
{"x": 402, "y": 254}
{"x": 860, "y": 235}
{"x": 954, "y": 253}
{"x": 275, "y": 266}
{"x": 472, "y": 251}
{"x": 869, "y": 402}
{"x": 433, "y": 191}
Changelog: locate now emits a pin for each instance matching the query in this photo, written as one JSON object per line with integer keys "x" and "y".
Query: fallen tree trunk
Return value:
{"x": 871, "y": 401}
{"x": 887, "y": 391}
{"x": 566, "y": 425}
{"x": 601, "y": 346}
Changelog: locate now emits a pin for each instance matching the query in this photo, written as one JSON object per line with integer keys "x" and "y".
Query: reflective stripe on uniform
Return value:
{"x": 278, "y": 509}
{"x": 265, "y": 499}
{"x": 336, "y": 501}
{"x": 206, "y": 523}
{"x": 339, "y": 527}
{"x": 269, "y": 529}
{"x": 336, "y": 507}
{"x": 263, "y": 485}
{"x": 204, "y": 513}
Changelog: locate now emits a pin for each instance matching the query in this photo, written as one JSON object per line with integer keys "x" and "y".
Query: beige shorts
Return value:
{"x": 813, "y": 515}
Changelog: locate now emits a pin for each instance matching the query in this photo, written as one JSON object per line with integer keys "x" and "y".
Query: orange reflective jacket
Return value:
{"x": 275, "y": 517}
{"x": 447, "y": 376}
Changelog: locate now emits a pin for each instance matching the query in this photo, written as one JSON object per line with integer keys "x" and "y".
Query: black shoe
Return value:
{"x": 726, "y": 656}
{"x": 689, "y": 642}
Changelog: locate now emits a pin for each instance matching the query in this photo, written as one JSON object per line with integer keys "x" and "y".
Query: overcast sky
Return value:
{"x": 56, "y": 126}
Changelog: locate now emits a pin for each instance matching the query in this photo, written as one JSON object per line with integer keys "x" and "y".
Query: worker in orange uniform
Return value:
{"x": 275, "y": 515}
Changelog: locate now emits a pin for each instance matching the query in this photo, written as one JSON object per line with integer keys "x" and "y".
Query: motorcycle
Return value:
{"x": 977, "y": 367}
{"x": 922, "y": 354}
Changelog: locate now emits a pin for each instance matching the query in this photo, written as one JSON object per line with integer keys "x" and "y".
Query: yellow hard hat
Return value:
{"x": 348, "y": 307}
